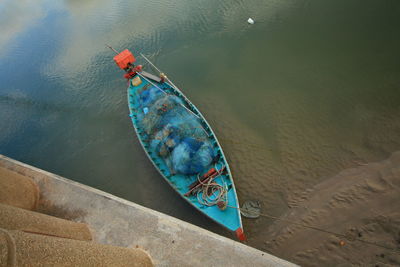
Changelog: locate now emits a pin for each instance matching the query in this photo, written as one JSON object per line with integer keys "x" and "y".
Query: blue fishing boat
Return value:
{"x": 181, "y": 144}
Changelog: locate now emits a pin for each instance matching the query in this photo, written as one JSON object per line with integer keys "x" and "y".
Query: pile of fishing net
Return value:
{"x": 175, "y": 133}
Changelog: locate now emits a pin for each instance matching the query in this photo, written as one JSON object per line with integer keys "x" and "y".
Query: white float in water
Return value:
{"x": 250, "y": 21}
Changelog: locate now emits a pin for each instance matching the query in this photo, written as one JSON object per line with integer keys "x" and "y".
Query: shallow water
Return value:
{"x": 312, "y": 88}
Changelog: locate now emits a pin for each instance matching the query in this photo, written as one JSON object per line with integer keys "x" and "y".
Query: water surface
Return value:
{"x": 311, "y": 89}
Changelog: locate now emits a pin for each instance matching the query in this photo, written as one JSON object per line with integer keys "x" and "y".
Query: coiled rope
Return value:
{"x": 212, "y": 193}
{"x": 347, "y": 237}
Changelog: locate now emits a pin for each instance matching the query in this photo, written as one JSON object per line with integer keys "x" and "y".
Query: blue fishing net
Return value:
{"x": 175, "y": 133}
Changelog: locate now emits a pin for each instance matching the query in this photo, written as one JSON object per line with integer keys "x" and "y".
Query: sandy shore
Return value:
{"x": 361, "y": 202}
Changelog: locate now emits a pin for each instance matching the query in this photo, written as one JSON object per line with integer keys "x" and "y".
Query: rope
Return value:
{"x": 140, "y": 75}
{"x": 206, "y": 199}
{"x": 324, "y": 231}
{"x": 206, "y": 196}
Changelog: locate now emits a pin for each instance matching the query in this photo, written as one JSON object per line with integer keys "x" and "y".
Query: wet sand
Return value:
{"x": 362, "y": 203}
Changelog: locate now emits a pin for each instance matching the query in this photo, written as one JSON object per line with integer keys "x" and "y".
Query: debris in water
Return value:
{"x": 250, "y": 21}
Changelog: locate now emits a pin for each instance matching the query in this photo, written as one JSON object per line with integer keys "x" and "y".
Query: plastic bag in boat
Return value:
{"x": 175, "y": 133}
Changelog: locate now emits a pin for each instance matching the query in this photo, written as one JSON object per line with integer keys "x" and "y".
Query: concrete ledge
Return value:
{"x": 115, "y": 221}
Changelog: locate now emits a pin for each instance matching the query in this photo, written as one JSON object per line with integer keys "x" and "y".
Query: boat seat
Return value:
{"x": 150, "y": 76}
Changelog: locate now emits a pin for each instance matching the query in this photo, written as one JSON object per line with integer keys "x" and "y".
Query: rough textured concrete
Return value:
{"x": 12, "y": 218}
{"x": 17, "y": 190}
{"x": 7, "y": 249}
{"x": 40, "y": 250}
{"x": 115, "y": 221}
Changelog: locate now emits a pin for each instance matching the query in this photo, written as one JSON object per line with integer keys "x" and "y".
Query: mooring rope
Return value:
{"x": 396, "y": 250}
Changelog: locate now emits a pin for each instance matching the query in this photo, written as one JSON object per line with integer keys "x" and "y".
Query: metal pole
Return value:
{"x": 116, "y": 52}
{"x": 160, "y": 72}
{"x": 150, "y": 63}
{"x": 176, "y": 88}
{"x": 151, "y": 83}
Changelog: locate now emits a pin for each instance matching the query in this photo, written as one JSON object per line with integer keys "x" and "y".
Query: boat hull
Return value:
{"x": 230, "y": 216}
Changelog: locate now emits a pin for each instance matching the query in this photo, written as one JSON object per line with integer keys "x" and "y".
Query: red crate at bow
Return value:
{"x": 124, "y": 58}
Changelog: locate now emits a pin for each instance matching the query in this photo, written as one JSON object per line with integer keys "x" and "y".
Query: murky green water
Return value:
{"x": 312, "y": 88}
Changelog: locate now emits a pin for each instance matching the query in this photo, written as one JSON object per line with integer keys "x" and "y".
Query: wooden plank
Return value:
{"x": 151, "y": 76}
